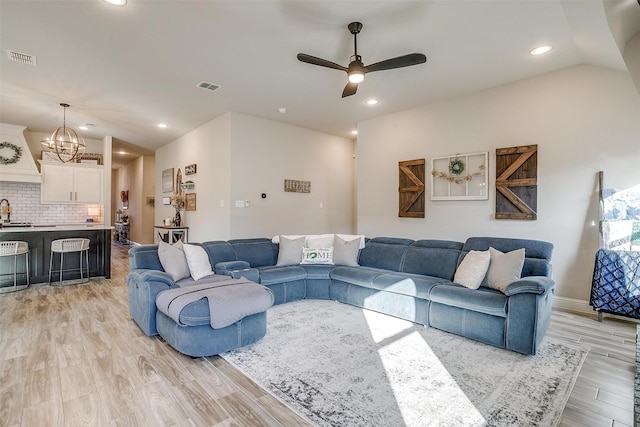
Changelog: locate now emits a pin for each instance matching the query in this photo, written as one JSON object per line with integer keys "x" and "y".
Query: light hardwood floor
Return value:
{"x": 72, "y": 356}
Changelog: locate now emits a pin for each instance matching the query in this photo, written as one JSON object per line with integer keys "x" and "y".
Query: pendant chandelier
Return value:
{"x": 65, "y": 142}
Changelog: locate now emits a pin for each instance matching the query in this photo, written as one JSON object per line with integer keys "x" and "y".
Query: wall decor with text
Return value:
{"x": 297, "y": 186}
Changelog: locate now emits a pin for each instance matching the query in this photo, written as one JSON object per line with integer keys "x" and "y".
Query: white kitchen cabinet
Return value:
{"x": 67, "y": 184}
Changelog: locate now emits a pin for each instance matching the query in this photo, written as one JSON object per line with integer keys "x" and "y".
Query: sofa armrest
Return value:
{"x": 248, "y": 273}
{"x": 531, "y": 284}
{"x": 143, "y": 287}
{"x": 227, "y": 267}
{"x": 145, "y": 275}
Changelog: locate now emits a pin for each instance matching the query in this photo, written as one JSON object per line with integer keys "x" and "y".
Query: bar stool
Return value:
{"x": 63, "y": 246}
{"x": 13, "y": 249}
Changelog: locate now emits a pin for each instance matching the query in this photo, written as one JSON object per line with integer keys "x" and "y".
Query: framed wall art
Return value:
{"x": 517, "y": 182}
{"x": 411, "y": 188}
{"x": 460, "y": 177}
{"x": 190, "y": 202}
{"x": 167, "y": 180}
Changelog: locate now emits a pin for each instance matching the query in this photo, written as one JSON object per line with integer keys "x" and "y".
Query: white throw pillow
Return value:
{"x": 290, "y": 252}
{"x": 472, "y": 269}
{"x": 198, "y": 261}
{"x": 350, "y": 237}
{"x": 317, "y": 256}
{"x": 504, "y": 268}
{"x": 319, "y": 241}
{"x": 345, "y": 252}
{"x": 173, "y": 260}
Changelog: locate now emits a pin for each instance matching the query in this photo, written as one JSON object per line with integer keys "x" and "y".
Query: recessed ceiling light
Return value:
{"x": 354, "y": 132}
{"x": 162, "y": 125}
{"x": 116, "y": 2}
{"x": 540, "y": 50}
{"x": 282, "y": 110}
{"x": 83, "y": 128}
{"x": 371, "y": 101}
{"x": 122, "y": 152}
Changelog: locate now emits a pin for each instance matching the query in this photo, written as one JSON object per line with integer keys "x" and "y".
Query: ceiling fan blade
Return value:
{"x": 398, "y": 62}
{"x": 303, "y": 57}
{"x": 350, "y": 89}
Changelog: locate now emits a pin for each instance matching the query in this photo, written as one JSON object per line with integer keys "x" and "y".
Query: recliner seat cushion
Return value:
{"x": 317, "y": 271}
{"x": 271, "y": 275}
{"x": 362, "y": 276}
{"x": 406, "y": 284}
{"x": 482, "y": 300}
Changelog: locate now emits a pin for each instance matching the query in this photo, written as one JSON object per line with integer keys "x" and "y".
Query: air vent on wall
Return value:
{"x": 22, "y": 58}
{"x": 207, "y": 85}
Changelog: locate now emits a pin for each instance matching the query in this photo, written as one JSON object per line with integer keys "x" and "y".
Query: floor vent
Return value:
{"x": 207, "y": 85}
{"x": 22, "y": 58}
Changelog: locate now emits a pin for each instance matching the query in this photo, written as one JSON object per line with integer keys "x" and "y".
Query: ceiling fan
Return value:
{"x": 356, "y": 69}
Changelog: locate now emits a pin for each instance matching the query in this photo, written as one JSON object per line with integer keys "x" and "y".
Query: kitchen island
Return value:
{"x": 39, "y": 238}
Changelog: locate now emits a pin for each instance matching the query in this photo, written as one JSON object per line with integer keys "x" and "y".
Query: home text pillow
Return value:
{"x": 504, "y": 268}
{"x": 345, "y": 252}
{"x": 472, "y": 269}
{"x": 319, "y": 241}
{"x": 173, "y": 260}
{"x": 290, "y": 252}
{"x": 198, "y": 261}
{"x": 317, "y": 256}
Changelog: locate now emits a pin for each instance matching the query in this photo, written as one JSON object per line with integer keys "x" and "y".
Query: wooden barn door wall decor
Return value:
{"x": 517, "y": 182}
{"x": 411, "y": 188}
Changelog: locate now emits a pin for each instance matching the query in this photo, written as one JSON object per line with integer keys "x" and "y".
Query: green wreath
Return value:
{"x": 17, "y": 153}
{"x": 456, "y": 166}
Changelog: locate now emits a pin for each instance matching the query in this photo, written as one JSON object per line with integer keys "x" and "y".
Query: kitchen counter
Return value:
{"x": 52, "y": 227}
{"x": 39, "y": 239}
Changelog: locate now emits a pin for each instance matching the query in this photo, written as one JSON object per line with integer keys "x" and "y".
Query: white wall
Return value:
{"x": 265, "y": 153}
{"x": 583, "y": 119}
{"x": 239, "y": 157}
{"x": 209, "y": 148}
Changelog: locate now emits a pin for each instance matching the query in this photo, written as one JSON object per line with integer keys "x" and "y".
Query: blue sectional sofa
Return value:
{"x": 409, "y": 279}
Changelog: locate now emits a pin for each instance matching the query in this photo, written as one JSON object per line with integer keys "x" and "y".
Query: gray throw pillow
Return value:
{"x": 504, "y": 268}
{"x": 173, "y": 260}
{"x": 346, "y": 252}
{"x": 290, "y": 252}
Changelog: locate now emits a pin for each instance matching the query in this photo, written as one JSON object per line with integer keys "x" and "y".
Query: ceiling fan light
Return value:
{"x": 356, "y": 76}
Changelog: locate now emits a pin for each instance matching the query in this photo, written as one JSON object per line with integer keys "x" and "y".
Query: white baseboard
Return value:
{"x": 583, "y": 307}
{"x": 572, "y": 304}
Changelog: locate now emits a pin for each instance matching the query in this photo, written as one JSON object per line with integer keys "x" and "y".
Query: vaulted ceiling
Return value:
{"x": 127, "y": 69}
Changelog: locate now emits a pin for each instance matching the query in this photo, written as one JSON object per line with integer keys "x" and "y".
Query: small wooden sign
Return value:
{"x": 296, "y": 186}
{"x": 191, "y": 169}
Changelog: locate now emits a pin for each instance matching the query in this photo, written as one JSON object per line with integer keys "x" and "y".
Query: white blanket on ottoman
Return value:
{"x": 229, "y": 300}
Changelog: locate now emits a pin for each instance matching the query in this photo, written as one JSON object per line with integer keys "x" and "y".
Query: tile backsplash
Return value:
{"x": 24, "y": 198}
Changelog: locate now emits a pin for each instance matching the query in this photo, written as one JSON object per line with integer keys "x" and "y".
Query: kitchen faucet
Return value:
{"x": 5, "y": 209}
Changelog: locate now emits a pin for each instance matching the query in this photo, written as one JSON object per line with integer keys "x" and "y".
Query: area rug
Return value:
{"x": 338, "y": 365}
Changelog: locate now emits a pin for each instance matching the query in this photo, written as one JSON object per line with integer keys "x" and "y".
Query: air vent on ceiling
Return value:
{"x": 207, "y": 85}
{"x": 22, "y": 58}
